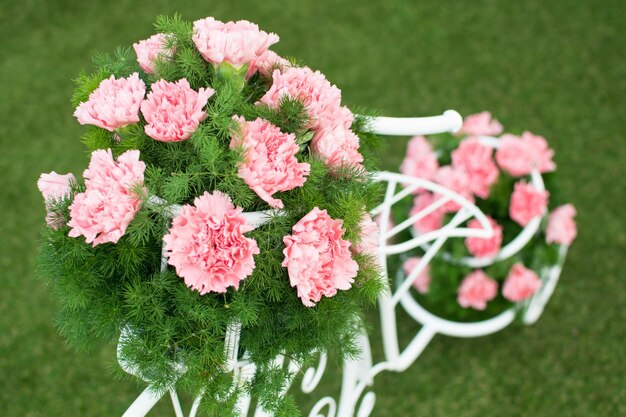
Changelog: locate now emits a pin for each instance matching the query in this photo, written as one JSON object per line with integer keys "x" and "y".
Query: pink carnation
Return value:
{"x": 457, "y": 181}
{"x": 481, "y": 124}
{"x": 337, "y": 145}
{"x": 322, "y": 100}
{"x": 561, "y": 227}
{"x": 370, "y": 234}
{"x": 150, "y": 50}
{"x": 520, "y": 155}
{"x": 266, "y": 64}
{"x": 422, "y": 281}
{"x": 103, "y": 212}
{"x": 420, "y": 160}
{"x": 520, "y": 284}
{"x": 484, "y": 248}
{"x": 270, "y": 164}
{"x": 207, "y": 246}
{"x": 431, "y": 221}
{"x": 237, "y": 43}
{"x": 54, "y": 187}
{"x": 318, "y": 258}
{"x": 114, "y": 104}
{"x": 476, "y": 290}
{"x": 527, "y": 202}
{"x": 173, "y": 111}
{"x": 475, "y": 159}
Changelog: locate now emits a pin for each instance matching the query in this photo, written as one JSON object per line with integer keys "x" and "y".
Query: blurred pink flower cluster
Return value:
{"x": 474, "y": 169}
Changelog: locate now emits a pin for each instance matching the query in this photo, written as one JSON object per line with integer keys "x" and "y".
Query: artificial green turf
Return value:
{"x": 554, "y": 67}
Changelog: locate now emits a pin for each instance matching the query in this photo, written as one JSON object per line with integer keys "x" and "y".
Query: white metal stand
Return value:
{"x": 356, "y": 397}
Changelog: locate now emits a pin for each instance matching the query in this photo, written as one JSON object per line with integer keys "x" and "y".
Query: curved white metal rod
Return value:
{"x": 450, "y": 121}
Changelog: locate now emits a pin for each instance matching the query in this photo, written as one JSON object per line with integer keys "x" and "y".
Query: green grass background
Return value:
{"x": 557, "y": 68}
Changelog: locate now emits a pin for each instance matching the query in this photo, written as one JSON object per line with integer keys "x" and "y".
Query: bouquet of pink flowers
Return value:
{"x": 510, "y": 178}
{"x": 194, "y": 137}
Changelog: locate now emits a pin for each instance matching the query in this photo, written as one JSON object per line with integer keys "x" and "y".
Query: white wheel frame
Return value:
{"x": 358, "y": 375}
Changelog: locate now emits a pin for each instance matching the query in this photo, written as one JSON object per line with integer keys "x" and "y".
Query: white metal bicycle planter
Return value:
{"x": 359, "y": 374}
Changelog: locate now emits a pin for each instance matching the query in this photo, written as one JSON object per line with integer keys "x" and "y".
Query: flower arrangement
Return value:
{"x": 188, "y": 132}
{"x": 510, "y": 178}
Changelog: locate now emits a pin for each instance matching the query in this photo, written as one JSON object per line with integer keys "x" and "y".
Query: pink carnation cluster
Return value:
{"x": 207, "y": 246}
{"x": 269, "y": 159}
{"x": 114, "y": 104}
{"x": 370, "y": 234}
{"x": 333, "y": 141}
{"x": 103, "y": 212}
{"x": 527, "y": 202}
{"x": 520, "y": 284}
{"x": 173, "y": 110}
{"x": 561, "y": 226}
{"x": 420, "y": 160}
{"x": 521, "y": 155}
{"x": 484, "y": 248}
{"x": 422, "y": 280}
{"x": 54, "y": 187}
{"x": 150, "y": 50}
{"x": 456, "y": 180}
{"x": 481, "y": 124}
{"x": 318, "y": 258}
{"x": 475, "y": 159}
{"x": 476, "y": 290}
{"x": 236, "y": 43}
{"x": 430, "y": 222}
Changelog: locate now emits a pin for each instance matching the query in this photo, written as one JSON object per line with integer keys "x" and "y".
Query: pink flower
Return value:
{"x": 54, "y": 187}
{"x": 561, "y": 227}
{"x": 420, "y": 160}
{"x": 322, "y": 100}
{"x": 150, "y": 50}
{"x": 237, "y": 43}
{"x": 431, "y": 221}
{"x": 266, "y": 64}
{"x": 270, "y": 164}
{"x": 475, "y": 159}
{"x": 370, "y": 234}
{"x": 520, "y": 155}
{"x": 484, "y": 248}
{"x": 422, "y": 281}
{"x": 103, "y": 212}
{"x": 520, "y": 284}
{"x": 318, "y": 258}
{"x": 476, "y": 290}
{"x": 207, "y": 246}
{"x": 114, "y": 104}
{"x": 173, "y": 111}
{"x": 337, "y": 145}
{"x": 481, "y": 124}
{"x": 527, "y": 202}
{"x": 457, "y": 181}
